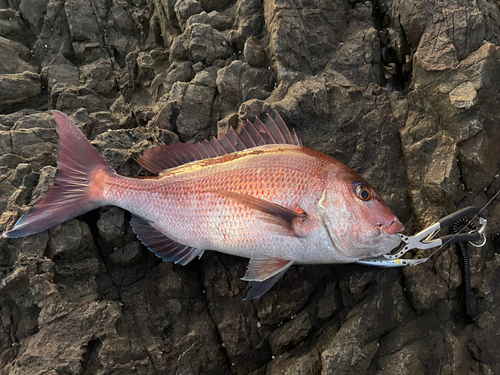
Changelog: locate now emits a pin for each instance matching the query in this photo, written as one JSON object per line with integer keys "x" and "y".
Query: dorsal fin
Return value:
{"x": 274, "y": 131}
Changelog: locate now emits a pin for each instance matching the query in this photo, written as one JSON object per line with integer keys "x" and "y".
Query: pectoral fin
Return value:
{"x": 277, "y": 214}
{"x": 263, "y": 272}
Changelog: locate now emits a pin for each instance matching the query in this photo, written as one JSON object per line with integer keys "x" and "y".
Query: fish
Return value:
{"x": 254, "y": 192}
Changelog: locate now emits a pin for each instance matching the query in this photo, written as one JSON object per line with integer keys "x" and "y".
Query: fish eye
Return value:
{"x": 364, "y": 193}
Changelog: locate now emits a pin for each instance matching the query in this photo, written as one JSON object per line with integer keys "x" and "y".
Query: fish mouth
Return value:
{"x": 392, "y": 228}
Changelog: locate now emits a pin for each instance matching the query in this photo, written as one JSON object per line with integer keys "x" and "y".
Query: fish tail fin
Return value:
{"x": 77, "y": 187}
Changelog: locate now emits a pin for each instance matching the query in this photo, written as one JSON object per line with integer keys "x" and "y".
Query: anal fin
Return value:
{"x": 263, "y": 272}
{"x": 161, "y": 245}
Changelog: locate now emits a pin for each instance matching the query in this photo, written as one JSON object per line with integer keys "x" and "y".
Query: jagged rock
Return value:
{"x": 185, "y": 9}
{"x": 83, "y": 26}
{"x": 200, "y": 42}
{"x": 19, "y": 87}
{"x": 98, "y": 77}
{"x": 210, "y": 5}
{"x": 290, "y": 333}
{"x": 10, "y": 27}
{"x": 38, "y": 144}
{"x": 64, "y": 73}
{"x": 70, "y": 240}
{"x": 111, "y": 226}
{"x": 198, "y": 18}
{"x": 405, "y": 92}
{"x": 192, "y": 112}
{"x": 227, "y": 122}
{"x": 254, "y": 52}
{"x": 129, "y": 255}
{"x": 292, "y": 30}
{"x": 305, "y": 364}
{"x": 45, "y": 182}
{"x": 219, "y": 21}
{"x": 249, "y": 21}
{"x": 239, "y": 82}
{"x": 358, "y": 56}
{"x": 177, "y": 72}
{"x": 122, "y": 27}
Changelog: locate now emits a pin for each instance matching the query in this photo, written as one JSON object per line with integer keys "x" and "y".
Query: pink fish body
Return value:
{"x": 255, "y": 193}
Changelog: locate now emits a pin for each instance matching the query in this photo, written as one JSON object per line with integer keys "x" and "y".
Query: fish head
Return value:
{"x": 357, "y": 220}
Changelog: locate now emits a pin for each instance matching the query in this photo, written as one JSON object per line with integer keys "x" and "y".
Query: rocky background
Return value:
{"x": 407, "y": 92}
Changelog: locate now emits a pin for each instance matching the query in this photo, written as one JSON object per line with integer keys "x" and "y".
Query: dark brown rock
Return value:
{"x": 254, "y": 52}
{"x": 185, "y": 9}
{"x": 239, "y": 82}
{"x": 405, "y": 92}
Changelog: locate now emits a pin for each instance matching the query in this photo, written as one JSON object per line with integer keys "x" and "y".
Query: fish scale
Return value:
{"x": 191, "y": 214}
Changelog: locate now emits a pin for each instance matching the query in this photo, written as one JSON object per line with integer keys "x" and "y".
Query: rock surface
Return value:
{"x": 405, "y": 92}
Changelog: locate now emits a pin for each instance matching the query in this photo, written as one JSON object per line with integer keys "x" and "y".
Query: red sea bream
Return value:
{"x": 255, "y": 192}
